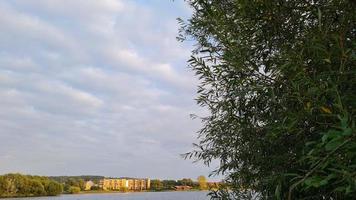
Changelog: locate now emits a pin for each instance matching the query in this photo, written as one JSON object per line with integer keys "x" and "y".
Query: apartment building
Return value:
{"x": 124, "y": 183}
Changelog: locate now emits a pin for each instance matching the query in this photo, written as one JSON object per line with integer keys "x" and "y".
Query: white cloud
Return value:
{"x": 104, "y": 78}
{"x": 79, "y": 8}
{"x": 62, "y": 90}
{"x": 12, "y": 62}
{"x": 139, "y": 64}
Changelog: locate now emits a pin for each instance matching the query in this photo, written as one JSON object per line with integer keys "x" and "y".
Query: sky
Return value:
{"x": 92, "y": 87}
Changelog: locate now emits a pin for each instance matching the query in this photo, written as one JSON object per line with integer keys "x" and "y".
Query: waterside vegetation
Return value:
{"x": 184, "y": 184}
{"x": 18, "y": 185}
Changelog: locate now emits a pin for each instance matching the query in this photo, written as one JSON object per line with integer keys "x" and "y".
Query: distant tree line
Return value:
{"x": 17, "y": 185}
{"x": 75, "y": 184}
{"x": 63, "y": 179}
{"x": 200, "y": 184}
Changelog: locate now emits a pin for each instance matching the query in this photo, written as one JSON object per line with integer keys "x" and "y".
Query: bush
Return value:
{"x": 74, "y": 190}
{"x": 95, "y": 188}
{"x": 54, "y": 188}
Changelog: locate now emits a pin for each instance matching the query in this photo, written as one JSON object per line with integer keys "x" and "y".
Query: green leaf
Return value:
{"x": 314, "y": 181}
{"x": 277, "y": 192}
{"x": 333, "y": 144}
{"x": 344, "y": 122}
{"x": 348, "y": 189}
{"x": 347, "y": 132}
{"x": 331, "y": 134}
{"x": 323, "y": 182}
{"x": 327, "y": 60}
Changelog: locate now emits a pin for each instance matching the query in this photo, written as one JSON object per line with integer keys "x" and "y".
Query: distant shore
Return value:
{"x": 110, "y": 191}
{"x": 17, "y": 185}
{"x": 105, "y": 192}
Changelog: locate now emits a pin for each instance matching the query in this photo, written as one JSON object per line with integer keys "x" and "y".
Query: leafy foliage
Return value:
{"x": 73, "y": 190}
{"x": 203, "y": 185}
{"x": 163, "y": 185}
{"x": 279, "y": 80}
{"x": 75, "y": 181}
{"x": 185, "y": 181}
{"x": 169, "y": 184}
{"x": 156, "y": 185}
{"x": 63, "y": 179}
{"x": 17, "y": 185}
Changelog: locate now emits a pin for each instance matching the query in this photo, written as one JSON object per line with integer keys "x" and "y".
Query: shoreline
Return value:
{"x": 143, "y": 191}
{"x": 104, "y": 192}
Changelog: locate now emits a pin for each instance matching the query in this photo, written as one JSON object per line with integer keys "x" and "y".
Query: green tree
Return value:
{"x": 95, "y": 188}
{"x": 74, "y": 190}
{"x": 75, "y": 182}
{"x": 2, "y": 186}
{"x": 81, "y": 184}
{"x": 53, "y": 188}
{"x": 169, "y": 184}
{"x": 186, "y": 181}
{"x": 70, "y": 182}
{"x": 17, "y": 185}
{"x": 203, "y": 184}
{"x": 279, "y": 79}
{"x": 156, "y": 185}
{"x": 35, "y": 188}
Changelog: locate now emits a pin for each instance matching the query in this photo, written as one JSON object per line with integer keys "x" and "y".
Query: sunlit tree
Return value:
{"x": 203, "y": 185}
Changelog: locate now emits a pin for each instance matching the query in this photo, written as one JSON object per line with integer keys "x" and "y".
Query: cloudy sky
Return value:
{"x": 96, "y": 87}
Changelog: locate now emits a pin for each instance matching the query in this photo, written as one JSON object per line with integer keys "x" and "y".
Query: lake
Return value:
{"x": 128, "y": 196}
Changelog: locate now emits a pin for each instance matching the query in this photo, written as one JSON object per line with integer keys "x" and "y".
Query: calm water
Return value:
{"x": 128, "y": 196}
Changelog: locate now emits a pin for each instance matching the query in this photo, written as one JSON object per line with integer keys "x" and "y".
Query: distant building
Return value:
{"x": 88, "y": 185}
{"x": 124, "y": 183}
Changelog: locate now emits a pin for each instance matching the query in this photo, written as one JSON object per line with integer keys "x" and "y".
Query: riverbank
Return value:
{"x": 178, "y": 195}
{"x": 110, "y": 191}
{"x": 107, "y": 192}
{"x": 19, "y": 186}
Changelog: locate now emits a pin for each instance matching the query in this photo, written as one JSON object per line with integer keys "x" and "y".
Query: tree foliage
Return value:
{"x": 73, "y": 181}
{"x": 63, "y": 179}
{"x": 156, "y": 185}
{"x": 169, "y": 184}
{"x": 162, "y": 185}
{"x": 73, "y": 190}
{"x": 186, "y": 182}
{"x": 203, "y": 185}
{"x": 279, "y": 80}
{"x": 17, "y": 185}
